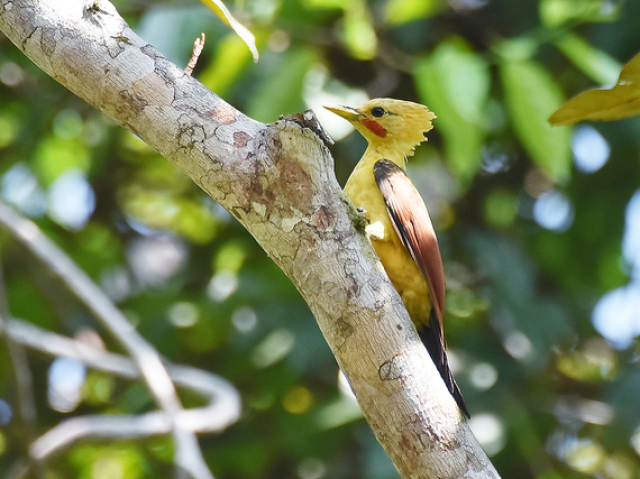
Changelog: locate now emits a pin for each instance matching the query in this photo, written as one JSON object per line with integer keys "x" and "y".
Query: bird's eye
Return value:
{"x": 378, "y": 111}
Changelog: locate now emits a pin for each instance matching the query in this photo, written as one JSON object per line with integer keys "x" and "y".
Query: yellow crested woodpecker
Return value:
{"x": 398, "y": 221}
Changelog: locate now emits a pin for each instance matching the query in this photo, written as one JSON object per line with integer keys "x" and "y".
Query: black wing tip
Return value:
{"x": 457, "y": 395}
{"x": 431, "y": 337}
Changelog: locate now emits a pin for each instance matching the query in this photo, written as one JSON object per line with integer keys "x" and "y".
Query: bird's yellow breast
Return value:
{"x": 363, "y": 191}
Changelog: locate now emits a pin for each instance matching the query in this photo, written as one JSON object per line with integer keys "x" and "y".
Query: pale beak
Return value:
{"x": 346, "y": 112}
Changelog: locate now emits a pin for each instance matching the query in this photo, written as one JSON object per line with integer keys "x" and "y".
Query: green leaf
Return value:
{"x": 500, "y": 208}
{"x": 230, "y": 60}
{"x": 454, "y": 82}
{"x": 621, "y": 101}
{"x": 55, "y": 155}
{"x": 122, "y": 460}
{"x": 594, "y": 63}
{"x": 358, "y": 33}
{"x": 281, "y": 92}
{"x": 554, "y": 13}
{"x": 530, "y": 94}
{"x": 325, "y": 4}
{"x": 173, "y": 28}
{"x": 230, "y": 257}
{"x": 397, "y": 12}
{"x": 9, "y": 128}
{"x": 160, "y": 209}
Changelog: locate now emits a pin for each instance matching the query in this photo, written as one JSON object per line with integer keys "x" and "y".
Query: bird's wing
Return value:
{"x": 413, "y": 226}
{"x": 411, "y": 222}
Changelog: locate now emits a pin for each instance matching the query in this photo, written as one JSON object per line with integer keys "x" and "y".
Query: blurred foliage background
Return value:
{"x": 539, "y": 229}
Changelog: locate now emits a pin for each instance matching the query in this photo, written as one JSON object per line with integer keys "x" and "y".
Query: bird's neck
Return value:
{"x": 387, "y": 151}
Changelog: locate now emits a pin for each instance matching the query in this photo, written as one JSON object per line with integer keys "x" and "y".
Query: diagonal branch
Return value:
{"x": 278, "y": 181}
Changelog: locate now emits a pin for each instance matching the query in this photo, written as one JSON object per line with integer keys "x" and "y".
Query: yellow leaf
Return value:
{"x": 223, "y": 13}
{"x": 621, "y": 101}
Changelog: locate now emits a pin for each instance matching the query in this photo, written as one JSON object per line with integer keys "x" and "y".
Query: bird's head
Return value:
{"x": 387, "y": 124}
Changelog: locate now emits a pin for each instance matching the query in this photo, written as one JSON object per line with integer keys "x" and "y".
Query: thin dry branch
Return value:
{"x": 198, "y": 45}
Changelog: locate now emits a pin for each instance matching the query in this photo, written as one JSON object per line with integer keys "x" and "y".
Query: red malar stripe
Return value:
{"x": 375, "y": 127}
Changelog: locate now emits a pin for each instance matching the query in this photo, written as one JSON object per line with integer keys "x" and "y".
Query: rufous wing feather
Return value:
{"x": 413, "y": 226}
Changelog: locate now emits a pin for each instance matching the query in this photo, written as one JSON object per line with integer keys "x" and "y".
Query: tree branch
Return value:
{"x": 188, "y": 455}
{"x": 278, "y": 181}
{"x": 223, "y": 406}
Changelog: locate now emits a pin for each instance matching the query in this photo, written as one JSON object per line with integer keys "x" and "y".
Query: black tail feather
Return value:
{"x": 432, "y": 338}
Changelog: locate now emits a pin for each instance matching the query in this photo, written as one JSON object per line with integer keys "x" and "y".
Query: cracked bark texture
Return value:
{"x": 278, "y": 181}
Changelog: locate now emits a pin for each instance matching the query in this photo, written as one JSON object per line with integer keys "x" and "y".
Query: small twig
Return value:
{"x": 53, "y": 344}
{"x": 116, "y": 427}
{"x": 198, "y": 46}
{"x": 143, "y": 354}
{"x": 222, "y": 410}
{"x": 104, "y": 427}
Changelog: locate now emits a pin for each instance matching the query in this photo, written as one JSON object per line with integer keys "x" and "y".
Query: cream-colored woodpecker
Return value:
{"x": 398, "y": 224}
